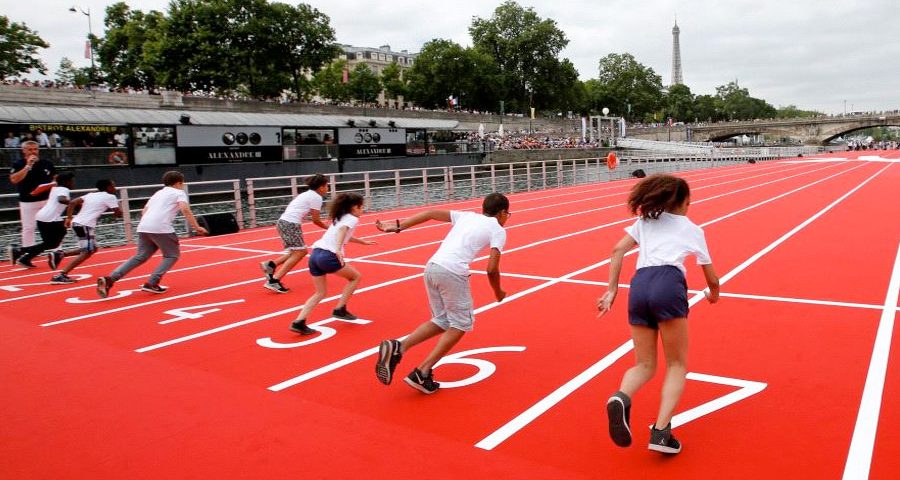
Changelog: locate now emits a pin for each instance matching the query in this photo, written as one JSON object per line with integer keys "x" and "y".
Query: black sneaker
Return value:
{"x": 276, "y": 286}
{"x": 61, "y": 279}
{"x": 153, "y": 288}
{"x": 54, "y": 258}
{"x": 618, "y": 408}
{"x": 343, "y": 314}
{"x": 103, "y": 286}
{"x": 663, "y": 441}
{"x": 268, "y": 267}
{"x": 13, "y": 253}
{"x": 25, "y": 263}
{"x": 421, "y": 382}
{"x": 300, "y": 327}
{"x": 388, "y": 357}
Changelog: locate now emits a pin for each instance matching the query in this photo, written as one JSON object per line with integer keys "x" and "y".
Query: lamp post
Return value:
{"x": 87, "y": 13}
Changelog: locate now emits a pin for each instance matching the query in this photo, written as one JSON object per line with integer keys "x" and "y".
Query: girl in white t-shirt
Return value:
{"x": 657, "y": 300}
{"x": 288, "y": 227}
{"x": 328, "y": 257}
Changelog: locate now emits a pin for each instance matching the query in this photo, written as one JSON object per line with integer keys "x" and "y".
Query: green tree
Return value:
{"x": 706, "y": 109}
{"x": 69, "y": 74}
{"x": 19, "y": 49}
{"x": 444, "y": 68}
{"x": 791, "y": 111}
{"x": 364, "y": 84}
{"x": 524, "y": 48}
{"x": 737, "y": 104}
{"x": 392, "y": 79}
{"x": 679, "y": 103}
{"x": 121, "y": 52}
{"x": 629, "y": 88}
{"x": 329, "y": 82}
{"x": 303, "y": 41}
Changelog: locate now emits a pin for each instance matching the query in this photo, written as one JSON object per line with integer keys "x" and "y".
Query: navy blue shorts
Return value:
{"x": 657, "y": 294}
{"x": 322, "y": 262}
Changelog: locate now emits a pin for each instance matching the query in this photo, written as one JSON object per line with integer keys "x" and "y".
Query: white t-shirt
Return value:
{"x": 668, "y": 240}
{"x": 329, "y": 240}
{"x": 471, "y": 232}
{"x": 52, "y": 210}
{"x": 95, "y": 203}
{"x": 301, "y": 205}
{"x": 161, "y": 210}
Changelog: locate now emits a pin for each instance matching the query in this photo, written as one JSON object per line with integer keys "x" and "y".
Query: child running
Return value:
{"x": 155, "y": 232}
{"x": 447, "y": 284}
{"x": 50, "y": 224}
{"x": 84, "y": 224}
{"x": 328, "y": 257}
{"x": 657, "y": 300}
{"x": 288, "y": 226}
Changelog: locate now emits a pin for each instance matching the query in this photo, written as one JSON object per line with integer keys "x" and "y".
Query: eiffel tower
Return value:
{"x": 676, "y": 56}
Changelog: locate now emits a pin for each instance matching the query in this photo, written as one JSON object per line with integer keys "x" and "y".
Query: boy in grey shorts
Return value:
{"x": 447, "y": 284}
{"x": 155, "y": 232}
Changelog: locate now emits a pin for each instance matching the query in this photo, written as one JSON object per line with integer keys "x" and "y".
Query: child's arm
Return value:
{"x": 421, "y": 217}
{"x": 70, "y": 210}
{"x": 317, "y": 219}
{"x": 361, "y": 241}
{"x": 189, "y": 215}
{"x": 493, "y": 273}
{"x": 604, "y": 303}
{"x": 342, "y": 232}
{"x": 712, "y": 281}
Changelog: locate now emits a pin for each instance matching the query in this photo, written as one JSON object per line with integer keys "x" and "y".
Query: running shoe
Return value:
{"x": 61, "y": 279}
{"x": 618, "y": 408}
{"x": 421, "y": 382}
{"x": 662, "y": 440}
{"x": 25, "y": 263}
{"x": 276, "y": 286}
{"x": 153, "y": 288}
{"x": 54, "y": 258}
{"x": 300, "y": 327}
{"x": 388, "y": 357}
{"x": 103, "y": 286}
{"x": 343, "y": 314}
{"x": 268, "y": 267}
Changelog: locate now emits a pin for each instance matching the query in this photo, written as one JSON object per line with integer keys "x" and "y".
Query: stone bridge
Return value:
{"x": 810, "y": 131}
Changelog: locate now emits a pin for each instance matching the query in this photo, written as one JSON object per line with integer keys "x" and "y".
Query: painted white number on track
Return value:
{"x": 118, "y": 294}
{"x": 187, "y": 313}
{"x": 485, "y": 368}
{"x": 19, "y": 287}
{"x": 324, "y": 334}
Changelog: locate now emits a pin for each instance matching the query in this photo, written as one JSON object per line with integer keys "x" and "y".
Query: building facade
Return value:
{"x": 377, "y": 59}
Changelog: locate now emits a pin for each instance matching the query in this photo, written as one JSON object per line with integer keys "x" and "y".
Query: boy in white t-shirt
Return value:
{"x": 288, "y": 226}
{"x": 50, "y": 224}
{"x": 447, "y": 283}
{"x": 657, "y": 300}
{"x": 156, "y": 232}
{"x": 328, "y": 257}
{"x": 84, "y": 224}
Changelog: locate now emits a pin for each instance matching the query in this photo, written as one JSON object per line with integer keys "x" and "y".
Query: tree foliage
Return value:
{"x": 364, "y": 84}
{"x": 628, "y": 88}
{"x": 444, "y": 69}
{"x": 393, "y": 81}
{"x": 19, "y": 49}
{"x": 69, "y": 74}
{"x": 329, "y": 82}
{"x": 525, "y": 49}
{"x": 121, "y": 52}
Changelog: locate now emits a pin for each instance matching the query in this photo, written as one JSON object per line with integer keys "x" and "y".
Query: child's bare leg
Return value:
{"x": 287, "y": 262}
{"x": 353, "y": 277}
{"x": 423, "y": 332}
{"x": 445, "y": 343}
{"x": 674, "y": 335}
{"x": 321, "y": 288}
{"x": 645, "y": 360}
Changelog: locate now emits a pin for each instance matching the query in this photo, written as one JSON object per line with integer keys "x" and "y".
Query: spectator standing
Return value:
{"x": 26, "y": 174}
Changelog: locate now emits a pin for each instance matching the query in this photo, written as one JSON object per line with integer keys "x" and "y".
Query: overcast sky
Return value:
{"x": 814, "y": 54}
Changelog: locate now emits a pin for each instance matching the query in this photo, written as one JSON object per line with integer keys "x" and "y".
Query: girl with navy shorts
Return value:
{"x": 328, "y": 257}
{"x": 657, "y": 300}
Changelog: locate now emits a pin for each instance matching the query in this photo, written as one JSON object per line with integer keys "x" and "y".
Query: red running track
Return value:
{"x": 789, "y": 371}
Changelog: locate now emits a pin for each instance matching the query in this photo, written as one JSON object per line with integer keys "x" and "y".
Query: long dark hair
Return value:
{"x": 657, "y": 194}
{"x": 342, "y": 204}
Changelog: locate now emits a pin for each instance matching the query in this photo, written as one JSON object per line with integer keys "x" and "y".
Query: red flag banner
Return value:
{"x": 87, "y": 49}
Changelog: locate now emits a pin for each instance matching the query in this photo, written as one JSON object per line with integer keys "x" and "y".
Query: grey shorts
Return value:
{"x": 86, "y": 237}
{"x": 291, "y": 235}
{"x": 450, "y": 298}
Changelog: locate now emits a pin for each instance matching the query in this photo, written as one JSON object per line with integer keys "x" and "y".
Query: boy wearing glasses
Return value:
{"x": 447, "y": 284}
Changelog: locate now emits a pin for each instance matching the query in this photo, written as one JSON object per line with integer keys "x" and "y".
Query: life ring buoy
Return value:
{"x": 612, "y": 161}
{"x": 118, "y": 157}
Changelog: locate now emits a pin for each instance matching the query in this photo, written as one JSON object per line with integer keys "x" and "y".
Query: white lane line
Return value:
{"x": 532, "y": 413}
{"x": 331, "y": 367}
{"x": 862, "y": 445}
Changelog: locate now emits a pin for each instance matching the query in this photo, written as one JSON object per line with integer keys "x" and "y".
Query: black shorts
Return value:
{"x": 657, "y": 294}
{"x": 322, "y": 262}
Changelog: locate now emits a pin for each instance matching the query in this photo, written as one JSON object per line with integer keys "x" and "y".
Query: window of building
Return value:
{"x": 359, "y": 55}
{"x": 381, "y": 56}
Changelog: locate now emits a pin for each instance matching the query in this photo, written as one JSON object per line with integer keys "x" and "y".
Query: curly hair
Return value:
{"x": 342, "y": 204}
{"x": 657, "y": 194}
